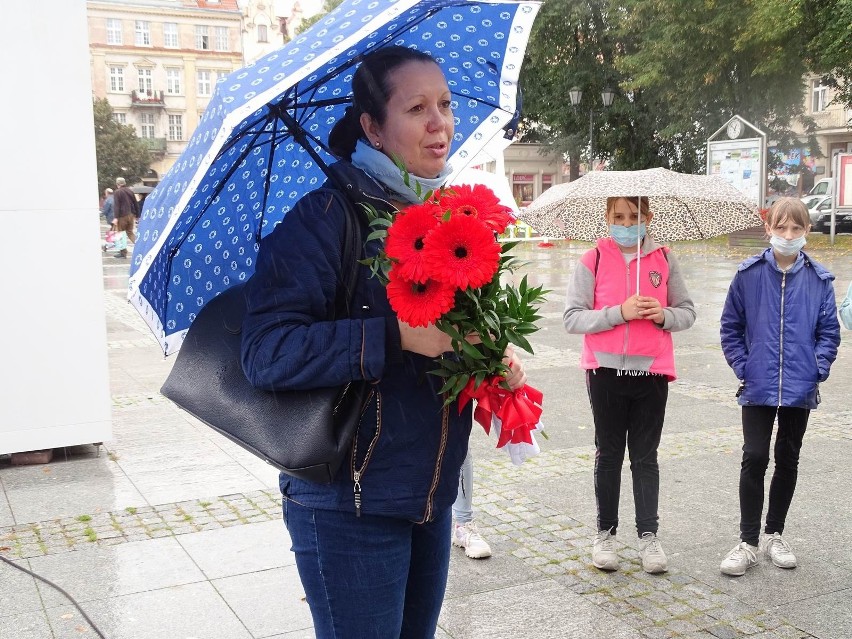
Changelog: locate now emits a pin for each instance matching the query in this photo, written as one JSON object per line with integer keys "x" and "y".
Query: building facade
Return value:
{"x": 529, "y": 171}
{"x": 157, "y": 63}
{"x": 269, "y": 24}
{"x": 833, "y": 132}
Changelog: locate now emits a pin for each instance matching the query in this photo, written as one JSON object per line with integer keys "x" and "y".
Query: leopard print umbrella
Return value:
{"x": 685, "y": 207}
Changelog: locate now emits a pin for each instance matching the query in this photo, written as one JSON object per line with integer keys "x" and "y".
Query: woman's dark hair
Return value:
{"x": 370, "y": 94}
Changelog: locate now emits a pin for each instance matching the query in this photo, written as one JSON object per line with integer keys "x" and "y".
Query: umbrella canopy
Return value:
{"x": 260, "y": 145}
{"x": 685, "y": 207}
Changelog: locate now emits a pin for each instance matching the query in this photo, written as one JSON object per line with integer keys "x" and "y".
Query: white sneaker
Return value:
{"x": 467, "y": 536}
{"x": 651, "y": 551}
{"x": 603, "y": 551}
{"x": 778, "y": 550}
{"x": 740, "y": 559}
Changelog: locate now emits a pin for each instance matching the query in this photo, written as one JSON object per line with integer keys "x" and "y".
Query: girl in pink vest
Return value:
{"x": 628, "y": 356}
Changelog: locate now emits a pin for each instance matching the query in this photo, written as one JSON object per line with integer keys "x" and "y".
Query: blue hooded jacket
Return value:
{"x": 779, "y": 330}
{"x": 408, "y": 447}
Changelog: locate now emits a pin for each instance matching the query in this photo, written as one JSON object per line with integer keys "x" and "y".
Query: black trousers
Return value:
{"x": 628, "y": 410}
{"x": 758, "y": 422}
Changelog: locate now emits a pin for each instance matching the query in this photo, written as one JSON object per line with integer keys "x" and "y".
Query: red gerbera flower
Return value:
{"x": 477, "y": 201}
{"x": 405, "y": 240}
{"x": 462, "y": 252}
{"x": 419, "y": 303}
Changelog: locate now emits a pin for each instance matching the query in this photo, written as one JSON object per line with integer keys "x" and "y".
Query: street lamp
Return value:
{"x": 607, "y": 96}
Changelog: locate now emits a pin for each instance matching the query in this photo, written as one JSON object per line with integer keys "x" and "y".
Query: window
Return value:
{"x": 202, "y": 39}
{"x": 204, "y": 83}
{"x": 121, "y": 118}
{"x": 174, "y": 81}
{"x": 114, "y": 31}
{"x": 146, "y": 83}
{"x": 170, "y": 35}
{"x": 223, "y": 40}
{"x": 261, "y": 33}
{"x": 175, "y": 128}
{"x": 116, "y": 79}
{"x": 546, "y": 181}
{"x": 147, "y": 125}
{"x": 818, "y": 94}
{"x": 143, "y": 33}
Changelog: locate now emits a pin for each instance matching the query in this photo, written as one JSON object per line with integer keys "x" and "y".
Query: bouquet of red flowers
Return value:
{"x": 442, "y": 264}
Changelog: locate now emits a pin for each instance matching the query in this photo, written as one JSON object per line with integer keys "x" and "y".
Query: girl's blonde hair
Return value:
{"x": 788, "y": 208}
{"x": 642, "y": 200}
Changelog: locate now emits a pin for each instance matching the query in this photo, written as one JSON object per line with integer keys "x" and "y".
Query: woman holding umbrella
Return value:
{"x": 628, "y": 356}
{"x": 377, "y": 568}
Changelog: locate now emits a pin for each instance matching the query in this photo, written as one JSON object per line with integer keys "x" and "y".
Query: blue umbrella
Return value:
{"x": 260, "y": 144}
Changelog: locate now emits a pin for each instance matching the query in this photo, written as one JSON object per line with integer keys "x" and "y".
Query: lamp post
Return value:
{"x": 607, "y": 96}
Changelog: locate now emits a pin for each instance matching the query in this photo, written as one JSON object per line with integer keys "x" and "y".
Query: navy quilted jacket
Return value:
{"x": 416, "y": 447}
{"x": 779, "y": 331}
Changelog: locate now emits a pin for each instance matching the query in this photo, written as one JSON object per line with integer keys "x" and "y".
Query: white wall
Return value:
{"x": 54, "y": 387}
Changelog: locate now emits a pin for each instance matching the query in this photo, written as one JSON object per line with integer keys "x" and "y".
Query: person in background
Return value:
{"x": 465, "y": 533}
{"x": 126, "y": 208}
{"x": 628, "y": 355}
{"x": 372, "y": 547}
{"x": 106, "y": 206}
{"x": 780, "y": 335}
{"x": 845, "y": 309}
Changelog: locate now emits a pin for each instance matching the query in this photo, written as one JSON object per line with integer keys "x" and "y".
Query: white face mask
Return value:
{"x": 787, "y": 247}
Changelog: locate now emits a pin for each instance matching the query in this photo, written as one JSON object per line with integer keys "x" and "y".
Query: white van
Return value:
{"x": 821, "y": 187}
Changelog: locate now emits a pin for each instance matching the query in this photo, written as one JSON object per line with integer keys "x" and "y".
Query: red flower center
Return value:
{"x": 461, "y": 252}
{"x": 418, "y": 243}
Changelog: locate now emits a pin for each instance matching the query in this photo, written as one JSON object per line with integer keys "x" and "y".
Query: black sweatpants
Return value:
{"x": 628, "y": 410}
{"x": 758, "y": 422}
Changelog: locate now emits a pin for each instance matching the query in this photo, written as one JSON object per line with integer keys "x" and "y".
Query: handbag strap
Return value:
{"x": 350, "y": 255}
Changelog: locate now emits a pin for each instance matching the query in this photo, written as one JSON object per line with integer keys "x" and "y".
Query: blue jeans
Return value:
{"x": 463, "y": 506}
{"x": 370, "y": 577}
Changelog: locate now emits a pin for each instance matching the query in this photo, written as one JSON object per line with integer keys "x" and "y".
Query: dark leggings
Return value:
{"x": 629, "y": 411}
{"x": 758, "y": 422}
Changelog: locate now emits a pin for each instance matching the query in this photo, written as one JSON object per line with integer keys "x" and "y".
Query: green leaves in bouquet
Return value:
{"x": 378, "y": 222}
{"x": 493, "y": 317}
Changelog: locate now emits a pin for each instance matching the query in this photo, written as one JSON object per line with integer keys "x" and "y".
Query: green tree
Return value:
{"x": 682, "y": 69}
{"x": 828, "y": 48}
{"x": 119, "y": 151}
{"x": 578, "y": 44}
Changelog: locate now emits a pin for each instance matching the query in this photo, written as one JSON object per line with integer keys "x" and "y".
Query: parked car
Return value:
{"x": 821, "y": 218}
{"x": 817, "y": 205}
{"x": 820, "y": 188}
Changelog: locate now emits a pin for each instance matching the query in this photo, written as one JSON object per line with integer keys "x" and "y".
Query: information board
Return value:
{"x": 739, "y": 162}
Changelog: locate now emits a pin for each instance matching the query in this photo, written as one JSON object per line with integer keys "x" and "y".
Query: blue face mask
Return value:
{"x": 627, "y": 235}
{"x": 787, "y": 247}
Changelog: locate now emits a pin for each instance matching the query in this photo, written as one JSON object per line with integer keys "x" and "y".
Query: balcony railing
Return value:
{"x": 155, "y": 145}
{"x": 147, "y": 99}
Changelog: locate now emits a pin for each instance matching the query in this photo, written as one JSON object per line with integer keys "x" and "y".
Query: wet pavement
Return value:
{"x": 171, "y": 531}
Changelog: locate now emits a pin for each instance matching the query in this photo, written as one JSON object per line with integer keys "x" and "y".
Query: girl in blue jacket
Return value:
{"x": 780, "y": 335}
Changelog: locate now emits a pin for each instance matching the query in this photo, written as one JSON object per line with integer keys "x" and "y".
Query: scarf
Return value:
{"x": 382, "y": 169}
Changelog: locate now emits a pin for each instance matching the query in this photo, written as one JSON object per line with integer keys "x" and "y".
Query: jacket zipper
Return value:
{"x": 781, "y": 341}
{"x": 445, "y": 419}
{"x": 358, "y": 473}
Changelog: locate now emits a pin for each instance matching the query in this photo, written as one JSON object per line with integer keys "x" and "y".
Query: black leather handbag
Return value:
{"x": 305, "y": 434}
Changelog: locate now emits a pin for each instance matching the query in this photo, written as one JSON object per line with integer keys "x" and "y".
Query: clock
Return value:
{"x": 735, "y": 129}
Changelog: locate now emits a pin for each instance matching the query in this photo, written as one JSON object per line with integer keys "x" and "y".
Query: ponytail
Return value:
{"x": 346, "y": 133}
